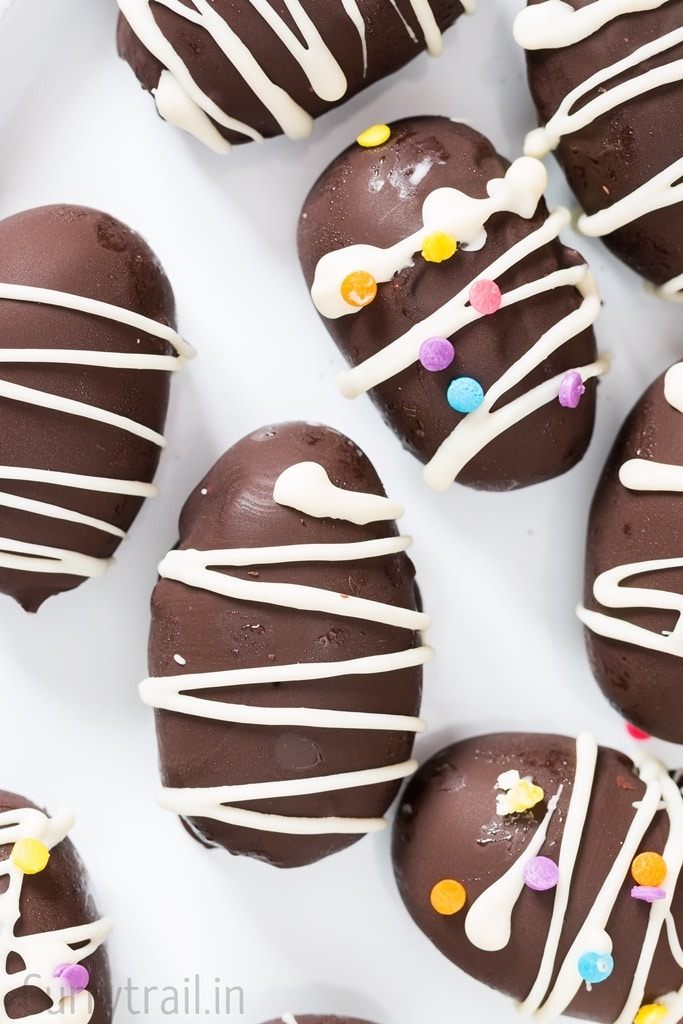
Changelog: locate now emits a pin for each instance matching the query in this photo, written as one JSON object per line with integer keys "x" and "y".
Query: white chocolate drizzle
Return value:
{"x": 555, "y": 24}
{"x": 288, "y": 1018}
{"x": 178, "y": 693}
{"x": 495, "y": 904}
{"x": 465, "y": 217}
{"x": 27, "y": 557}
{"x": 181, "y": 101}
{"x": 643, "y": 475}
{"x": 43, "y": 951}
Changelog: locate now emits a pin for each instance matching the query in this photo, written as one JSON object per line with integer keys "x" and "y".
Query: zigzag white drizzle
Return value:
{"x": 555, "y": 24}
{"x": 42, "y": 952}
{"x": 497, "y": 903}
{"x": 306, "y": 487}
{"x": 464, "y": 217}
{"x": 16, "y": 554}
{"x": 182, "y": 102}
{"x": 643, "y": 475}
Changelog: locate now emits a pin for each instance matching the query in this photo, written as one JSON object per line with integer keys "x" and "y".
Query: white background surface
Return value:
{"x": 500, "y": 573}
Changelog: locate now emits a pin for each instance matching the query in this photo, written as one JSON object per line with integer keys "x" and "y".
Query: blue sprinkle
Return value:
{"x": 465, "y": 394}
{"x": 595, "y": 967}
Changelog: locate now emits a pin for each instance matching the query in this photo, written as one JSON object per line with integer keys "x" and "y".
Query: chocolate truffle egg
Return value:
{"x": 634, "y": 564}
{"x": 606, "y": 79}
{"x": 87, "y": 347}
{"x": 229, "y": 73}
{"x": 55, "y": 966}
{"x": 285, "y": 650}
{"x": 549, "y": 868}
{"x": 439, "y": 273}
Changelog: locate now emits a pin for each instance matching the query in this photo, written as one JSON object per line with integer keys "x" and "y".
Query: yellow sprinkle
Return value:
{"x": 30, "y": 855}
{"x": 438, "y": 247}
{"x": 374, "y": 136}
{"x": 649, "y": 869}
{"x": 448, "y": 896}
{"x": 651, "y": 1013}
{"x": 524, "y": 795}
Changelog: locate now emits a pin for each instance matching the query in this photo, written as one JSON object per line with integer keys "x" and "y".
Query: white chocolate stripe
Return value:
{"x": 671, "y": 290}
{"x": 42, "y": 952}
{"x": 655, "y": 194}
{"x": 20, "y": 555}
{"x": 46, "y": 400}
{"x": 608, "y": 590}
{"x": 192, "y": 568}
{"x": 82, "y": 357}
{"x": 541, "y": 140}
{"x": 95, "y": 307}
{"x": 108, "y": 485}
{"x": 646, "y": 475}
{"x": 209, "y": 802}
{"x": 554, "y": 23}
{"x": 43, "y": 508}
{"x": 180, "y": 100}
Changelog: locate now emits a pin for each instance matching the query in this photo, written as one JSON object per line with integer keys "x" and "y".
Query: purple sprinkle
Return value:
{"x": 540, "y": 873}
{"x": 648, "y": 893}
{"x": 571, "y": 389}
{"x": 436, "y": 353}
{"x": 74, "y": 975}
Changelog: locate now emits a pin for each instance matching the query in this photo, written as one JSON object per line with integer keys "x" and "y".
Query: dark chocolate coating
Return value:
{"x": 367, "y": 196}
{"x": 627, "y": 526}
{"x": 84, "y": 252}
{"x": 625, "y": 147}
{"x": 213, "y": 632}
{"x": 446, "y": 827}
{"x": 389, "y": 43}
{"x": 313, "y": 1019}
{"x": 57, "y": 897}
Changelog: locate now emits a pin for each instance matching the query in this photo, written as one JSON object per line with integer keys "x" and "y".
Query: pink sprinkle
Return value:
{"x": 571, "y": 389}
{"x": 541, "y": 873}
{"x": 648, "y": 893}
{"x": 74, "y": 975}
{"x": 636, "y": 734}
{"x": 485, "y": 296}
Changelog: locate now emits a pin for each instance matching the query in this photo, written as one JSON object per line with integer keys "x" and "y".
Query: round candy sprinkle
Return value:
{"x": 465, "y": 394}
{"x": 648, "y": 893}
{"x": 485, "y": 297}
{"x": 359, "y": 288}
{"x": 75, "y": 976}
{"x": 374, "y": 136}
{"x": 649, "y": 869}
{"x": 595, "y": 967}
{"x": 540, "y": 873}
{"x": 635, "y": 733}
{"x": 650, "y": 1013}
{"x": 436, "y": 353}
{"x": 438, "y": 247}
{"x": 448, "y": 896}
{"x": 571, "y": 389}
{"x": 30, "y": 855}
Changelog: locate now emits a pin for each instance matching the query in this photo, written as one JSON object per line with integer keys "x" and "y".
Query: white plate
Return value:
{"x": 500, "y": 573}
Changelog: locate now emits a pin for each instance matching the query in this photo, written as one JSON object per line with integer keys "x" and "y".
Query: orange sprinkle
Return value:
{"x": 448, "y": 896}
{"x": 649, "y": 869}
{"x": 359, "y": 288}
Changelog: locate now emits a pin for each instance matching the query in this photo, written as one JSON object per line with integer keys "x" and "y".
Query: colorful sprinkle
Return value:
{"x": 75, "y": 976}
{"x": 465, "y": 394}
{"x": 649, "y": 869}
{"x": 520, "y": 794}
{"x": 30, "y": 856}
{"x": 448, "y": 896}
{"x": 648, "y": 893}
{"x": 635, "y": 733}
{"x": 359, "y": 288}
{"x": 540, "y": 873}
{"x": 438, "y": 247}
{"x": 595, "y": 967}
{"x": 651, "y": 1013}
{"x": 485, "y": 297}
{"x": 436, "y": 354}
{"x": 571, "y": 389}
{"x": 374, "y": 136}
